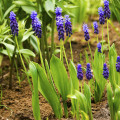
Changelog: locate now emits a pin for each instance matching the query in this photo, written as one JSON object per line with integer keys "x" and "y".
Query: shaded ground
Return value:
{"x": 18, "y": 101}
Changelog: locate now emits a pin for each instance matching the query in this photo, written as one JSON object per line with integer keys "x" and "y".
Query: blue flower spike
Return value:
{"x": 118, "y": 64}
{"x": 36, "y": 25}
{"x": 68, "y": 26}
{"x": 86, "y": 33}
{"x": 107, "y": 12}
{"x": 13, "y": 23}
{"x": 79, "y": 72}
{"x": 88, "y": 72}
{"x": 95, "y": 25}
{"x": 101, "y": 15}
{"x": 99, "y": 46}
{"x": 105, "y": 71}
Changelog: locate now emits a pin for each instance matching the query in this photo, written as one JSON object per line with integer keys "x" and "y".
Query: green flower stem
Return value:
{"x": 65, "y": 55}
{"x": 102, "y": 38}
{"x": 108, "y": 33}
{"x": 71, "y": 50}
{"x": 97, "y": 39}
{"x": 91, "y": 82}
{"x": 41, "y": 59}
{"x": 118, "y": 78}
{"x": 12, "y": 65}
{"x": 61, "y": 51}
{"x": 23, "y": 63}
{"x": 42, "y": 49}
{"x": 44, "y": 34}
{"x": 52, "y": 35}
{"x": 81, "y": 86}
{"x": 90, "y": 51}
{"x": 18, "y": 76}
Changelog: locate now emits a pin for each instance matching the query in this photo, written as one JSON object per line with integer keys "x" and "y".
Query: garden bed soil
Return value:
{"x": 18, "y": 101}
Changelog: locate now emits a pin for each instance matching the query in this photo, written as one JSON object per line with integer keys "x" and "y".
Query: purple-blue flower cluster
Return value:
{"x": 58, "y": 12}
{"x": 101, "y": 15}
{"x": 33, "y": 15}
{"x": 99, "y": 47}
{"x": 38, "y": 30}
{"x": 105, "y": 71}
{"x": 60, "y": 27}
{"x": 88, "y": 72}
{"x": 68, "y": 26}
{"x": 79, "y": 72}
{"x": 86, "y": 33}
{"x": 107, "y": 12}
{"x": 95, "y": 25}
{"x": 118, "y": 64}
{"x": 13, "y": 23}
{"x": 36, "y": 25}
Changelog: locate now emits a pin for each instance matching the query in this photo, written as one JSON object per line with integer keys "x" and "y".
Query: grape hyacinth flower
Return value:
{"x": 88, "y": 72}
{"x": 36, "y": 25}
{"x": 33, "y": 15}
{"x": 118, "y": 64}
{"x": 105, "y": 71}
{"x": 60, "y": 27}
{"x": 95, "y": 25}
{"x": 58, "y": 12}
{"x": 99, "y": 47}
{"x": 38, "y": 30}
{"x": 13, "y": 23}
{"x": 101, "y": 15}
{"x": 107, "y": 12}
{"x": 79, "y": 72}
{"x": 68, "y": 26}
{"x": 86, "y": 33}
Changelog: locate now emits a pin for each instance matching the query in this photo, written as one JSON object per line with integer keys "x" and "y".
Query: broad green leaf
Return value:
{"x": 23, "y": 3}
{"x": 73, "y": 76}
{"x": 112, "y": 61}
{"x": 35, "y": 97}
{"x": 10, "y": 47}
{"x": 49, "y": 7}
{"x": 116, "y": 104}
{"x": 84, "y": 116}
{"x": 5, "y": 52}
{"x": 82, "y": 101}
{"x": 29, "y": 9}
{"x": 60, "y": 77}
{"x": 48, "y": 92}
{"x": 87, "y": 94}
{"x": 27, "y": 35}
{"x": 33, "y": 41}
{"x": 8, "y": 10}
{"x": 49, "y": 74}
{"x": 110, "y": 100}
{"x": 27, "y": 52}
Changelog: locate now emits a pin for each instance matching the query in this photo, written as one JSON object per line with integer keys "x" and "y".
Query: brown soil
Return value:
{"x": 17, "y": 102}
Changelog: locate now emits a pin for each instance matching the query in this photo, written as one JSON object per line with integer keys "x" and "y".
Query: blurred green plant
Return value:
{"x": 99, "y": 59}
{"x": 115, "y": 9}
{"x": 8, "y": 44}
{"x": 113, "y": 101}
{"x": 82, "y": 103}
{"x": 112, "y": 62}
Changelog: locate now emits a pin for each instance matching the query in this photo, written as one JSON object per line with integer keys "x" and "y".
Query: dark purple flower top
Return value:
{"x": 68, "y": 26}
{"x": 79, "y": 72}
{"x": 86, "y": 33}
{"x": 101, "y": 15}
{"x": 13, "y": 23}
